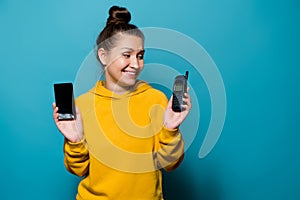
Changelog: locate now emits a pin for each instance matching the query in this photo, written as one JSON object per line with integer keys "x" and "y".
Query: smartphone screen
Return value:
{"x": 64, "y": 99}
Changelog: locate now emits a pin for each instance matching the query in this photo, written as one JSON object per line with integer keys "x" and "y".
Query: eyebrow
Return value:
{"x": 131, "y": 49}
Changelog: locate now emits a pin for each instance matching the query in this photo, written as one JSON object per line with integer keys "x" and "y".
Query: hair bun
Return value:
{"x": 118, "y": 15}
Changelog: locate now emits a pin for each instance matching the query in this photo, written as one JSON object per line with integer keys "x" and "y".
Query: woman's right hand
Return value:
{"x": 71, "y": 129}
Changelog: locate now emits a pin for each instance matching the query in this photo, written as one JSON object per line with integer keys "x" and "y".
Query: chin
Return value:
{"x": 130, "y": 83}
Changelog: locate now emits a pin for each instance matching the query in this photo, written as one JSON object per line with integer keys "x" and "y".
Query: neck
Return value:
{"x": 116, "y": 88}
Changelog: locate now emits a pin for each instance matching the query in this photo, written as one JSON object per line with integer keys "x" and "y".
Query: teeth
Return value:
{"x": 131, "y": 73}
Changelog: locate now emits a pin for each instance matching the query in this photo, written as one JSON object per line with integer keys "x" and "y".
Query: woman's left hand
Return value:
{"x": 172, "y": 120}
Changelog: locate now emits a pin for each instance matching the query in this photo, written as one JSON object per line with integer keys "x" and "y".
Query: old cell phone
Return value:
{"x": 179, "y": 88}
{"x": 64, "y": 99}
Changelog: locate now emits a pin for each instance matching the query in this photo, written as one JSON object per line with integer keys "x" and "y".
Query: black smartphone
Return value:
{"x": 64, "y": 99}
{"x": 179, "y": 88}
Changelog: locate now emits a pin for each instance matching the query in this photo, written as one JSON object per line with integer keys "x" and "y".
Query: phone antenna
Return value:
{"x": 186, "y": 74}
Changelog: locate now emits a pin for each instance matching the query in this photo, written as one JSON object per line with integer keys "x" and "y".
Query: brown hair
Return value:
{"x": 117, "y": 22}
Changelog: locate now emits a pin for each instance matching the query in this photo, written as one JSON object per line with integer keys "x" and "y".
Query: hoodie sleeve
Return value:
{"x": 169, "y": 149}
{"x": 76, "y": 158}
{"x": 169, "y": 144}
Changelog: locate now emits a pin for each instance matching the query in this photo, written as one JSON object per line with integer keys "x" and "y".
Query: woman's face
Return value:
{"x": 123, "y": 63}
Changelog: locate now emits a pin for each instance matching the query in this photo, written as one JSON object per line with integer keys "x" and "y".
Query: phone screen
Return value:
{"x": 178, "y": 87}
{"x": 64, "y": 99}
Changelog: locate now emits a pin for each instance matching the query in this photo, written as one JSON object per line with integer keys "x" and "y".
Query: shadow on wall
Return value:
{"x": 183, "y": 183}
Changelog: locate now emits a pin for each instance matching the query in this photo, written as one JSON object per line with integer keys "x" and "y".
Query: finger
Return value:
{"x": 55, "y": 117}
{"x": 186, "y": 108}
{"x": 188, "y": 102}
{"x": 77, "y": 110}
{"x": 170, "y": 102}
{"x": 78, "y": 114}
{"x": 187, "y": 96}
{"x": 55, "y": 113}
{"x": 55, "y": 108}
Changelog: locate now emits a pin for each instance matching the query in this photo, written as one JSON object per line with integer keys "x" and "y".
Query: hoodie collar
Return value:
{"x": 100, "y": 90}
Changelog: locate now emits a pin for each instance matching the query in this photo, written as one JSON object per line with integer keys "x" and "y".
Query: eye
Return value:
{"x": 126, "y": 55}
{"x": 140, "y": 56}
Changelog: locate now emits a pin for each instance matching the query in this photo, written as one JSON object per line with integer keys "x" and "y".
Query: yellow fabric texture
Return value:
{"x": 125, "y": 145}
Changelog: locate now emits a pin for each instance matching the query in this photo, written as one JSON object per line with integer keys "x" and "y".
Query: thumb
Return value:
{"x": 78, "y": 114}
{"x": 170, "y": 102}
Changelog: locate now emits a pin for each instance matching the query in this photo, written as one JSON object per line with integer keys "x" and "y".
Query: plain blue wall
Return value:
{"x": 255, "y": 45}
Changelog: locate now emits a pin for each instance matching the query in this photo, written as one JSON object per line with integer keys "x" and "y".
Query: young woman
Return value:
{"x": 125, "y": 132}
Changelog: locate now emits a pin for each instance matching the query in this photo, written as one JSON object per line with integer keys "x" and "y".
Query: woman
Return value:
{"x": 125, "y": 131}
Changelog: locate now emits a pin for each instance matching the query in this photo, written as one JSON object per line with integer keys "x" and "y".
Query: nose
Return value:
{"x": 134, "y": 63}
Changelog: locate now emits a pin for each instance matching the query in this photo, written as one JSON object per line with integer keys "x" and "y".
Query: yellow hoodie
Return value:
{"x": 125, "y": 145}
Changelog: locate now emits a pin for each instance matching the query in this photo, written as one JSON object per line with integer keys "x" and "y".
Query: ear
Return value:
{"x": 102, "y": 55}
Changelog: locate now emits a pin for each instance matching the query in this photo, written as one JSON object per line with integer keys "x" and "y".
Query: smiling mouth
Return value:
{"x": 128, "y": 72}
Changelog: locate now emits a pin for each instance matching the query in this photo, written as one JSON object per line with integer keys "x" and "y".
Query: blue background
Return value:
{"x": 255, "y": 45}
